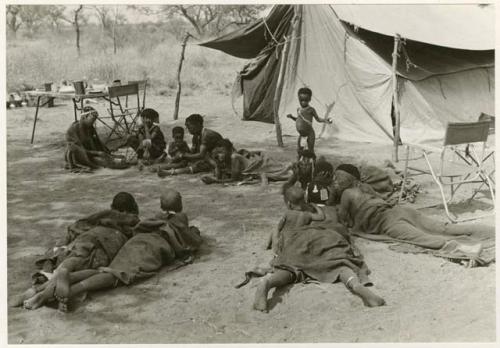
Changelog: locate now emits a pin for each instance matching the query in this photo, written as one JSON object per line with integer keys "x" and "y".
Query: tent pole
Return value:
{"x": 279, "y": 89}
{"x": 395, "y": 100}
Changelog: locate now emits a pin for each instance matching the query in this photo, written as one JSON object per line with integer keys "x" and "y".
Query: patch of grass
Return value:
{"x": 54, "y": 58}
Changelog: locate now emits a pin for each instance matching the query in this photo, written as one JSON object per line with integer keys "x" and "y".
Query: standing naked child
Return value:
{"x": 306, "y": 250}
{"x": 304, "y": 119}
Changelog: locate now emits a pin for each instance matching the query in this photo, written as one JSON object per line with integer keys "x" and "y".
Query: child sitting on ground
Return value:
{"x": 175, "y": 150}
{"x": 318, "y": 251}
{"x": 304, "y": 119}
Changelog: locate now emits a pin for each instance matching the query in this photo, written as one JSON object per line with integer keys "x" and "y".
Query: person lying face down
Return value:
{"x": 366, "y": 212}
{"x": 90, "y": 243}
{"x": 305, "y": 251}
{"x": 204, "y": 141}
{"x": 157, "y": 242}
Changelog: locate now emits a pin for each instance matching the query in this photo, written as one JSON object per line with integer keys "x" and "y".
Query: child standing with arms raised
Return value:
{"x": 304, "y": 119}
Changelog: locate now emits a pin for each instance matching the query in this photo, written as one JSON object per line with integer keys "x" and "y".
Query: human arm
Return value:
{"x": 198, "y": 155}
{"x": 319, "y": 119}
{"x": 318, "y": 214}
{"x": 344, "y": 208}
{"x": 272, "y": 241}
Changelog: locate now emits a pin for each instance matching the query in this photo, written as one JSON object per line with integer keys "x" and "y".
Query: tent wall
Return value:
{"x": 426, "y": 106}
{"x": 339, "y": 70}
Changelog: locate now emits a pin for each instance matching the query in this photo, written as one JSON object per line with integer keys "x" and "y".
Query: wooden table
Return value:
{"x": 78, "y": 101}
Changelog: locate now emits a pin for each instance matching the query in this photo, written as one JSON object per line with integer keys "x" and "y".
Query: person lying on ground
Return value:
{"x": 302, "y": 170}
{"x": 84, "y": 149}
{"x": 304, "y": 119}
{"x": 164, "y": 240}
{"x": 306, "y": 251}
{"x": 204, "y": 141}
{"x": 149, "y": 142}
{"x": 90, "y": 243}
{"x": 242, "y": 166}
{"x": 367, "y": 213}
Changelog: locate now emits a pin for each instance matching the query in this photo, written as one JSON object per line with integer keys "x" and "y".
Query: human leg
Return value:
{"x": 273, "y": 280}
{"x": 351, "y": 281}
{"x": 311, "y": 139}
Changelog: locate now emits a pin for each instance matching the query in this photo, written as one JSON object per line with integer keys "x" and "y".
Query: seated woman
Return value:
{"x": 84, "y": 149}
{"x": 232, "y": 166}
{"x": 368, "y": 215}
{"x": 91, "y": 242}
{"x": 149, "y": 142}
{"x": 157, "y": 242}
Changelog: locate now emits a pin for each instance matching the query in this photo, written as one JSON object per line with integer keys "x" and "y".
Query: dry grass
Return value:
{"x": 54, "y": 58}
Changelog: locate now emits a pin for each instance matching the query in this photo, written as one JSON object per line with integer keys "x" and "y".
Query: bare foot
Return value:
{"x": 18, "y": 300}
{"x": 41, "y": 297}
{"x": 61, "y": 292}
{"x": 368, "y": 297}
{"x": 260, "y": 302}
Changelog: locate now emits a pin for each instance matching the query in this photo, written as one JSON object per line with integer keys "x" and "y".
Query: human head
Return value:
{"x": 125, "y": 203}
{"x": 222, "y": 151}
{"x": 194, "y": 123}
{"x": 150, "y": 116}
{"x": 294, "y": 197}
{"x": 89, "y": 116}
{"x": 346, "y": 175}
{"x": 324, "y": 169}
{"x": 304, "y": 95}
{"x": 171, "y": 200}
{"x": 178, "y": 134}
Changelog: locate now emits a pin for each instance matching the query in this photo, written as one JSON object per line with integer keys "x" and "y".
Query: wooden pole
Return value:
{"x": 179, "y": 87}
{"x": 395, "y": 100}
{"x": 279, "y": 89}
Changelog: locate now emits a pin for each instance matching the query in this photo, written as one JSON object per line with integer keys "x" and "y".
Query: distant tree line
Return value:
{"x": 202, "y": 20}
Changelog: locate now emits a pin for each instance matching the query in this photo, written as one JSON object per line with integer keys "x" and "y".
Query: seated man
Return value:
{"x": 84, "y": 149}
{"x": 204, "y": 141}
{"x": 366, "y": 212}
{"x": 149, "y": 142}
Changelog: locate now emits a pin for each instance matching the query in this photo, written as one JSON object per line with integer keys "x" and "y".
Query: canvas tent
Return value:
{"x": 444, "y": 68}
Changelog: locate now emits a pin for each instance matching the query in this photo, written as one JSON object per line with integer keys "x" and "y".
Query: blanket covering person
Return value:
{"x": 315, "y": 252}
{"x": 318, "y": 251}
{"x": 96, "y": 239}
{"x": 157, "y": 242}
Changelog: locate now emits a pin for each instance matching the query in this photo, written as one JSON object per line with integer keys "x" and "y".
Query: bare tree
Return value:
{"x": 55, "y": 14}
{"x": 208, "y": 19}
{"x": 13, "y": 18}
{"x": 75, "y": 18}
{"x": 109, "y": 18}
{"x": 32, "y": 17}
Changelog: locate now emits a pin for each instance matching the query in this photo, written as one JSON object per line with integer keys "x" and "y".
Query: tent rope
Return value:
{"x": 269, "y": 31}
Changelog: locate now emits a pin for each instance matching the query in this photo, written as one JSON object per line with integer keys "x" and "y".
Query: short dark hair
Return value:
{"x": 90, "y": 110}
{"x": 225, "y": 143}
{"x": 150, "y": 114}
{"x": 350, "y": 169}
{"x": 306, "y": 91}
{"x": 322, "y": 165}
{"x": 306, "y": 153}
{"x": 125, "y": 202}
{"x": 195, "y": 118}
{"x": 178, "y": 130}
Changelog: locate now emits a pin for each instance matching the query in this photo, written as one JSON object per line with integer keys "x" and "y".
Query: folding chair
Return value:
{"x": 123, "y": 117}
{"x": 458, "y": 161}
{"x": 142, "y": 87}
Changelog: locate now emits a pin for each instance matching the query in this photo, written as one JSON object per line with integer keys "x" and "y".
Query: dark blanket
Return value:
{"x": 98, "y": 237}
{"x": 318, "y": 252}
{"x": 163, "y": 241}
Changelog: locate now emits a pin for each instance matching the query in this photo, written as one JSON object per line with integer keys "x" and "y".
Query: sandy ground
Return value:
{"x": 428, "y": 299}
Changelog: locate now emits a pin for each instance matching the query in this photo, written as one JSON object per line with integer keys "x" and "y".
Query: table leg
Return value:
{"x": 74, "y": 108}
{"x": 36, "y": 118}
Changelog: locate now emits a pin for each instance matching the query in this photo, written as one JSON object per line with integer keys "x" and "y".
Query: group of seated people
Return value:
{"x": 325, "y": 206}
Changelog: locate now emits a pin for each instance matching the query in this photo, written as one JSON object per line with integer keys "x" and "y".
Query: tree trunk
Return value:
{"x": 77, "y": 29}
{"x": 178, "y": 97}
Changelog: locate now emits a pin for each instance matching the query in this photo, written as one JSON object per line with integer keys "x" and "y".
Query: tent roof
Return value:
{"x": 469, "y": 27}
